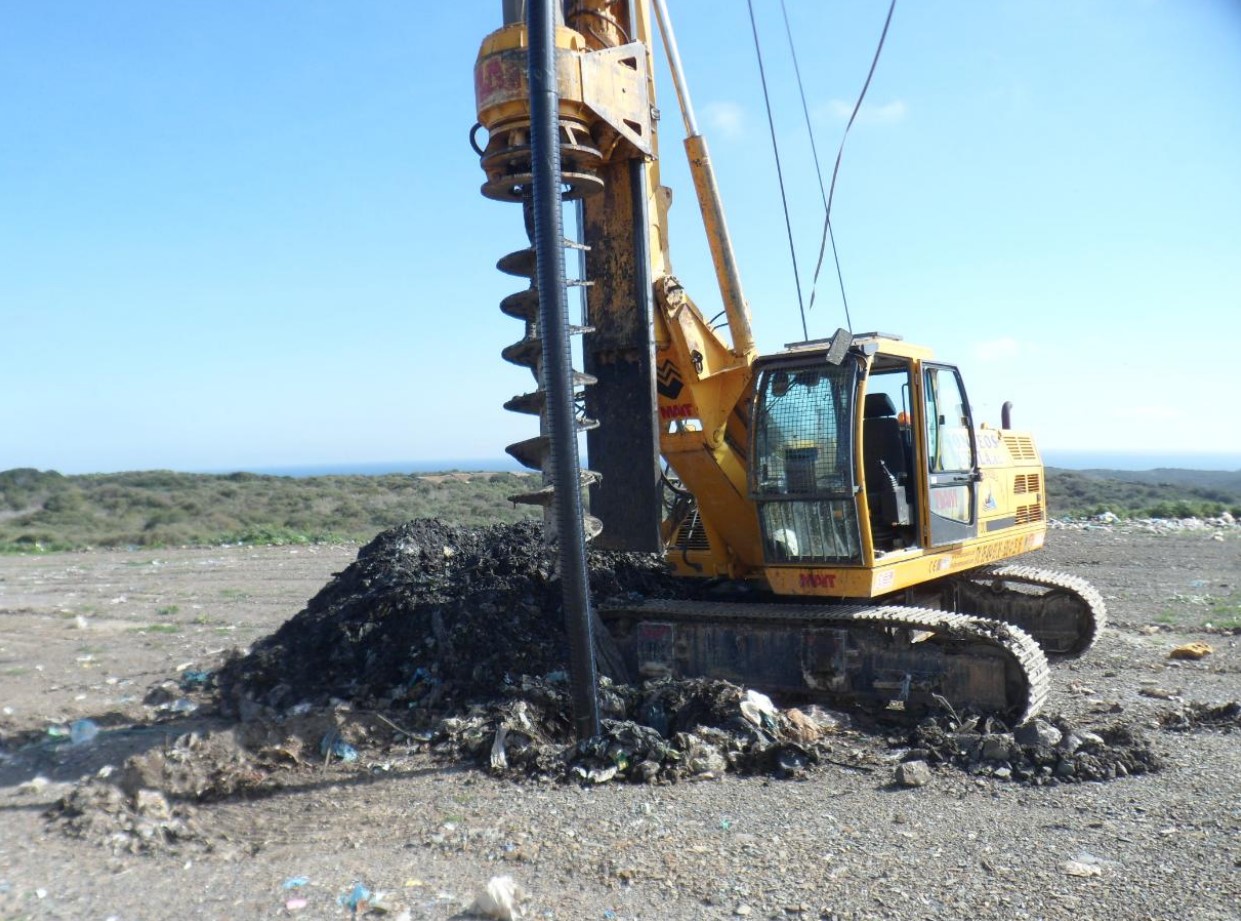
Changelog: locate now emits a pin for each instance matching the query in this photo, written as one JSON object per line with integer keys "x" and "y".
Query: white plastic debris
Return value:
{"x": 499, "y": 760}
{"x": 1078, "y": 868}
{"x": 35, "y": 784}
{"x": 499, "y": 899}
{"x": 758, "y": 708}
{"x": 1086, "y": 865}
{"x": 82, "y": 731}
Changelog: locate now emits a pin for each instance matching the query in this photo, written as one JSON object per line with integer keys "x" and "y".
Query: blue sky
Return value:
{"x": 241, "y": 236}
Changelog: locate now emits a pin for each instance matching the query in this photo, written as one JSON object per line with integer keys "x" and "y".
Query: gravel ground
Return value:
{"x": 88, "y": 635}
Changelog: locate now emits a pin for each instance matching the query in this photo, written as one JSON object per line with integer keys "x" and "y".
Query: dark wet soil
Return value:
{"x": 458, "y": 634}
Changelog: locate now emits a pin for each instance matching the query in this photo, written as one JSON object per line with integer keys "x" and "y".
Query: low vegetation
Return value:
{"x": 1144, "y": 493}
{"x": 44, "y": 510}
{"x": 48, "y": 511}
{"x": 1203, "y": 610}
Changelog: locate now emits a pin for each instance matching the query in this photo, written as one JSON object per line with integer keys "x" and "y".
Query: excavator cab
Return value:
{"x": 860, "y": 458}
{"x": 803, "y": 478}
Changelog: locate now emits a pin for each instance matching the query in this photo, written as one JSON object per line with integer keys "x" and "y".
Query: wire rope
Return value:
{"x": 828, "y": 232}
{"x": 771, "y": 124}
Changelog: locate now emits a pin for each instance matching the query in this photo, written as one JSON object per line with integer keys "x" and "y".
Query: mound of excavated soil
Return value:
{"x": 1194, "y": 716}
{"x": 1044, "y": 752}
{"x": 151, "y": 804}
{"x": 459, "y": 632}
{"x": 430, "y": 616}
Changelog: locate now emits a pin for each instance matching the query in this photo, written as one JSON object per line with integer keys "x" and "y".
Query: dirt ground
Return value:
{"x": 88, "y": 636}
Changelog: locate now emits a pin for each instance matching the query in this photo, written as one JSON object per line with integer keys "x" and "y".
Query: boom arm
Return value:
{"x": 709, "y": 202}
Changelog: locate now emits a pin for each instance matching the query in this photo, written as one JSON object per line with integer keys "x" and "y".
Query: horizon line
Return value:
{"x": 1072, "y": 459}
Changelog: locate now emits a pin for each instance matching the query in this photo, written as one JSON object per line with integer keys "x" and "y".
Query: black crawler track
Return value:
{"x": 874, "y": 657}
{"x": 1064, "y": 613}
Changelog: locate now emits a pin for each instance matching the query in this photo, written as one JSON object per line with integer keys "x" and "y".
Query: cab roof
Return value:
{"x": 870, "y": 343}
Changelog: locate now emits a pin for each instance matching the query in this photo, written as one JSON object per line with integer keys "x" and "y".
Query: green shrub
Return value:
{"x": 162, "y": 508}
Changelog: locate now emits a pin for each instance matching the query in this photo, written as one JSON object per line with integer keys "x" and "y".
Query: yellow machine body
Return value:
{"x": 851, "y": 470}
{"x": 970, "y": 495}
{"x": 668, "y": 385}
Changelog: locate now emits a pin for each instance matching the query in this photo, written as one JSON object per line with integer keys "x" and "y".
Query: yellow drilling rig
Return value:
{"x": 857, "y": 516}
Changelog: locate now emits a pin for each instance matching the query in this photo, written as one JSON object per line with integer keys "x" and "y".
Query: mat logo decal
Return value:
{"x": 668, "y": 381}
{"x": 818, "y": 580}
{"x": 678, "y": 411}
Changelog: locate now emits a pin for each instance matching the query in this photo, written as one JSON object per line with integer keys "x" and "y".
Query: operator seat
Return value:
{"x": 886, "y": 464}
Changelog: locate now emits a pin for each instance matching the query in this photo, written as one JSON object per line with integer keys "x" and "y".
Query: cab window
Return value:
{"x": 949, "y": 446}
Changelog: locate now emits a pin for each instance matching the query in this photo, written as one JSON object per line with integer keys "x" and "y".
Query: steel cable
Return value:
{"x": 828, "y": 232}
{"x": 801, "y": 306}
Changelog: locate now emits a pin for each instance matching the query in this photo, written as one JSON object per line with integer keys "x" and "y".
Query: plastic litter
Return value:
{"x": 183, "y": 705}
{"x": 655, "y": 715}
{"x": 499, "y": 760}
{"x": 153, "y": 805}
{"x": 295, "y": 882}
{"x": 357, "y": 897}
{"x": 82, "y": 731}
{"x": 915, "y": 773}
{"x": 758, "y": 709}
{"x": 296, "y": 904}
{"x": 194, "y": 678}
{"x": 35, "y": 784}
{"x": 499, "y": 899}
{"x": 1080, "y": 868}
{"x": 333, "y": 745}
{"x": 596, "y": 775}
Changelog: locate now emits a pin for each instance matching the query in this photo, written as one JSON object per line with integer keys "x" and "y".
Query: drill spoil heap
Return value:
{"x": 456, "y": 635}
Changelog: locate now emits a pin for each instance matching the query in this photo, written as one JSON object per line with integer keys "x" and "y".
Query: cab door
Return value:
{"x": 951, "y": 456}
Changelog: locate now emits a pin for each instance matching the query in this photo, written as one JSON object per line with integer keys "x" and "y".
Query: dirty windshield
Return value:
{"x": 802, "y": 471}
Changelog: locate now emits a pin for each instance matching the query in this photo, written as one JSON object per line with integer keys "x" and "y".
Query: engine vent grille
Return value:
{"x": 1027, "y": 483}
{"x": 1021, "y": 447}
{"x": 1026, "y": 514}
{"x": 691, "y": 535}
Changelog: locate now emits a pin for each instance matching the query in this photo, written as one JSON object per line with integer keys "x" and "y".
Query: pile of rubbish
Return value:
{"x": 1217, "y": 526}
{"x": 662, "y": 731}
{"x": 1044, "y": 751}
{"x": 457, "y": 634}
{"x": 1196, "y": 716}
{"x": 430, "y": 618}
{"x": 149, "y": 804}
{"x": 450, "y": 642}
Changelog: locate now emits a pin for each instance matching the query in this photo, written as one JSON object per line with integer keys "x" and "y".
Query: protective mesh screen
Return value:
{"x": 810, "y": 532}
{"x": 802, "y": 473}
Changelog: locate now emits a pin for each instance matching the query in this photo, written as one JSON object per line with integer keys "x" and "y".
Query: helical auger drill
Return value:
{"x": 592, "y": 131}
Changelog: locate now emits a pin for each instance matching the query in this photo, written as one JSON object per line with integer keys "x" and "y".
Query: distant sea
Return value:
{"x": 1117, "y": 460}
{"x": 1072, "y": 460}
{"x": 379, "y": 468}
